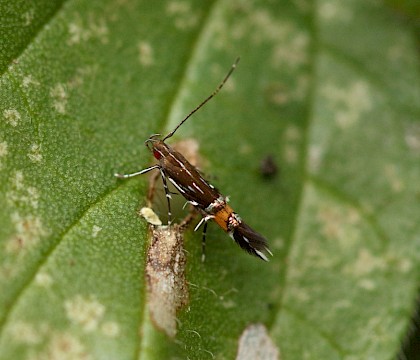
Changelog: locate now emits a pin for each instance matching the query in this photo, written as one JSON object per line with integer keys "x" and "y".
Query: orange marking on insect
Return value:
{"x": 222, "y": 217}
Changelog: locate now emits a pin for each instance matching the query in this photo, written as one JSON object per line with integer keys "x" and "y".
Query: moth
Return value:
{"x": 205, "y": 198}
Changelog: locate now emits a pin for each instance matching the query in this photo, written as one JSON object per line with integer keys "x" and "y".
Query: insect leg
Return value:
{"x": 144, "y": 171}
{"x": 168, "y": 195}
{"x": 203, "y": 243}
{"x": 203, "y": 220}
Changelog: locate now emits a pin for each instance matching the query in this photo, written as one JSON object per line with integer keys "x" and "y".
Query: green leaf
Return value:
{"x": 329, "y": 89}
{"x": 411, "y": 8}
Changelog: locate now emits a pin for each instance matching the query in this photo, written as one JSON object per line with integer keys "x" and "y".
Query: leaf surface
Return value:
{"x": 330, "y": 90}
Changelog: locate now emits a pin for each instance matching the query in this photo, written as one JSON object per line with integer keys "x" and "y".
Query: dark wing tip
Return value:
{"x": 251, "y": 241}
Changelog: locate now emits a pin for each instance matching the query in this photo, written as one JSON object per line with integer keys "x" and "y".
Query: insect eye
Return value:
{"x": 157, "y": 154}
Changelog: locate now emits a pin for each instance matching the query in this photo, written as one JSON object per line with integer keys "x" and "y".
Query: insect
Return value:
{"x": 209, "y": 202}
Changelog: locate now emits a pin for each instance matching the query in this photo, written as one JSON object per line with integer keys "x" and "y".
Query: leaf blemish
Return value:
{"x": 95, "y": 230}
{"x": 391, "y": 174}
{"x": 184, "y": 17}
{"x": 293, "y": 53}
{"x": 332, "y": 11}
{"x": 43, "y": 279}
{"x": 290, "y": 153}
{"x": 165, "y": 273}
{"x": 291, "y": 149}
{"x": 28, "y": 80}
{"x": 86, "y": 312}
{"x": 35, "y": 153}
{"x": 110, "y": 329}
{"x": 28, "y": 227}
{"x": 12, "y": 117}
{"x": 367, "y": 284}
{"x": 20, "y": 194}
{"x": 3, "y": 151}
{"x": 26, "y": 333}
{"x": 315, "y": 157}
{"x": 28, "y": 16}
{"x": 412, "y": 137}
{"x": 29, "y": 230}
{"x": 278, "y": 94}
{"x": 365, "y": 264}
{"x": 150, "y": 216}
{"x": 339, "y": 224}
{"x": 348, "y": 103}
{"x": 255, "y": 343}
{"x": 400, "y": 53}
{"x": 64, "y": 346}
{"x": 95, "y": 29}
{"x": 145, "y": 53}
{"x": 59, "y": 98}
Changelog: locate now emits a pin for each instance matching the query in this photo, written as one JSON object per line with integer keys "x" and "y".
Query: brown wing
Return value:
{"x": 251, "y": 241}
{"x": 186, "y": 178}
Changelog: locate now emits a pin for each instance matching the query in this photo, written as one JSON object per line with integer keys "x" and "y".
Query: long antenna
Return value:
{"x": 206, "y": 100}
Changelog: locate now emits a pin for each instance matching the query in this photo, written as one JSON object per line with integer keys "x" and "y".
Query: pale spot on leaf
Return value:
{"x": 315, "y": 157}
{"x": 400, "y": 52}
{"x": 25, "y": 333}
{"x": 412, "y": 137}
{"x": 348, "y": 103}
{"x": 343, "y": 304}
{"x": 245, "y": 148}
{"x": 395, "y": 180}
{"x": 29, "y": 80}
{"x": 145, "y": 53}
{"x": 300, "y": 89}
{"x": 299, "y": 294}
{"x": 59, "y": 98}
{"x": 95, "y": 230}
{"x": 255, "y": 343}
{"x": 150, "y": 216}
{"x": 278, "y": 94}
{"x": 43, "y": 279}
{"x": 291, "y": 153}
{"x": 367, "y": 284}
{"x": 339, "y": 224}
{"x": 28, "y": 17}
{"x": 86, "y": 312}
{"x": 293, "y": 54}
{"x": 229, "y": 304}
{"x": 293, "y": 133}
{"x": 184, "y": 17}
{"x": 404, "y": 265}
{"x": 3, "y": 151}
{"x": 93, "y": 28}
{"x": 110, "y": 329}
{"x": 17, "y": 181}
{"x": 35, "y": 153}
{"x": 290, "y": 43}
{"x": 28, "y": 232}
{"x": 365, "y": 264}
{"x": 20, "y": 194}
{"x": 302, "y": 5}
{"x": 63, "y": 346}
{"x": 292, "y": 137}
{"x": 334, "y": 11}
{"x": 12, "y": 117}
{"x": 79, "y": 77}
{"x": 281, "y": 94}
